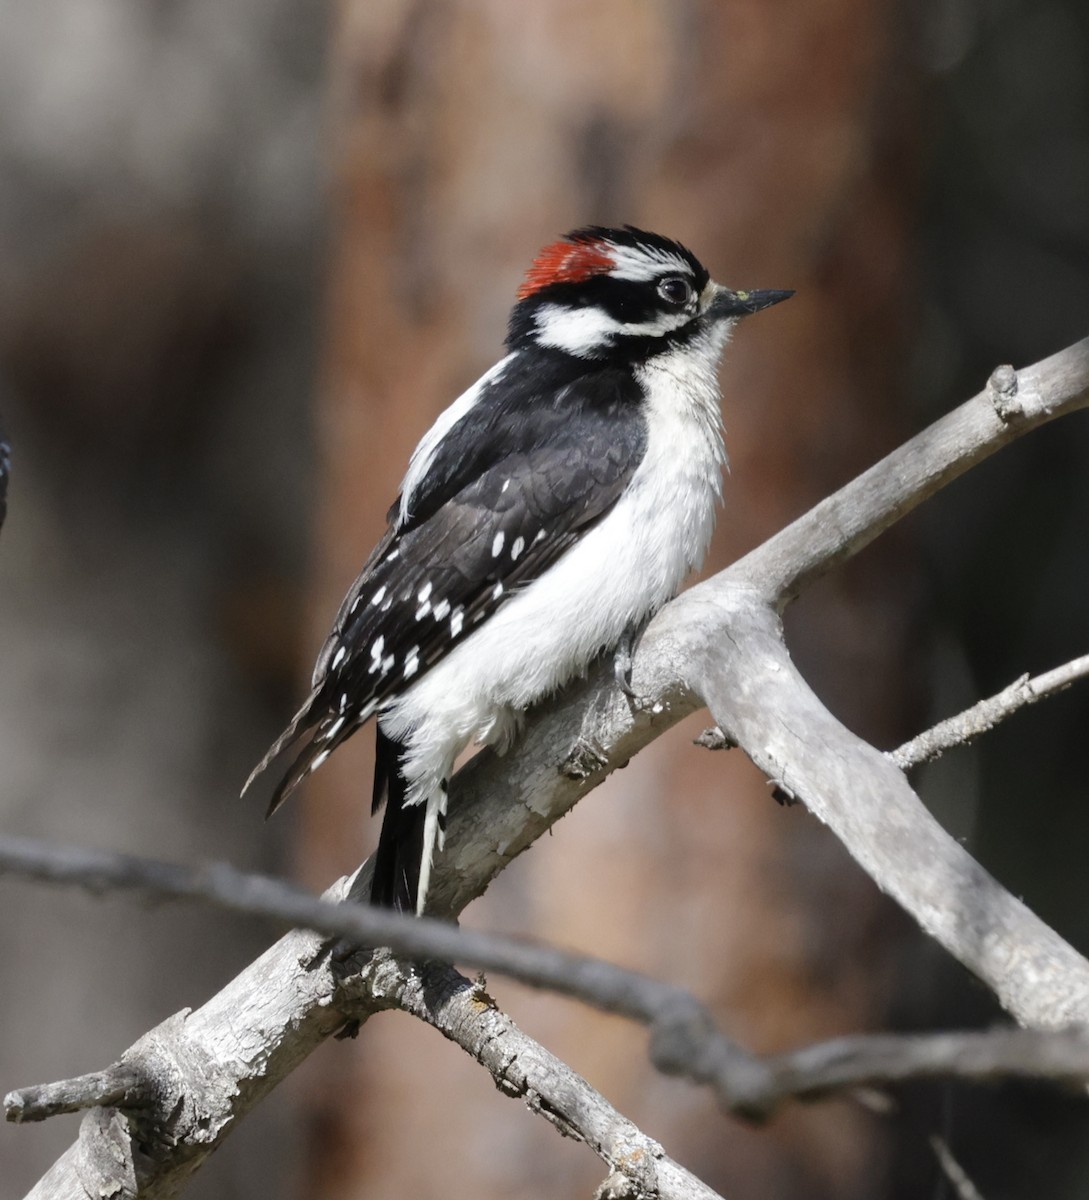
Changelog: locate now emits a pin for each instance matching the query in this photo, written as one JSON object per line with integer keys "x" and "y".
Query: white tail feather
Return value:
{"x": 434, "y": 839}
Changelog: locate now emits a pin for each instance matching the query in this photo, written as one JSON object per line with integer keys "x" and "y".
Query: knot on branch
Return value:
{"x": 377, "y": 983}
{"x": 679, "y": 1041}
{"x": 585, "y": 760}
{"x": 714, "y": 739}
{"x": 1002, "y": 388}
{"x": 635, "y": 1168}
{"x": 619, "y": 1187}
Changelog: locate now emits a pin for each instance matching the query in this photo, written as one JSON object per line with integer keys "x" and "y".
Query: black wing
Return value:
{"x": 427, "y": 587}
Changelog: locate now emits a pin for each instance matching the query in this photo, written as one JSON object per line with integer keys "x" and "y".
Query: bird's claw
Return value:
{"x": 622, "y": 668}
{"x": 624, "y": 658}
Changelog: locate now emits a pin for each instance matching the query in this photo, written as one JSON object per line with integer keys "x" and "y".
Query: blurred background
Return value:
{"x": 249, "y": 249}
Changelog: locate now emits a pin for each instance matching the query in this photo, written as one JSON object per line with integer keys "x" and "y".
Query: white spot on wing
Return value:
{"x": 339, "y": 657}
{"x": 497, "y": 544}
{"x": 441, "y": 609}
{"x": 517, "y": 548}
{"x": 497, "y": 591}
{"x": 457, "y": 621}
{"x": 412, "y": 662}
{"x": 424, "y": 592}
{"x": 378, "y": 596}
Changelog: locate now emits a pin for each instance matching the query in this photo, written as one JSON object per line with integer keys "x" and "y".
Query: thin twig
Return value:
{"x": 953, "y": 1171}
{"x": 610, "y": 988}
{"x": 966, "y": 726}
{"x": 684, "y": 1039}
{"x": 986, "y": 714}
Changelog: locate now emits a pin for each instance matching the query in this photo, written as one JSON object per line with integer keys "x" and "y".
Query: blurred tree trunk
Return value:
{"x": 777, "y": 140}
{"x": 158, "y": 280}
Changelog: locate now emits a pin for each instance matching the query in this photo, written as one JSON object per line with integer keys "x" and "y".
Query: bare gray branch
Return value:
{"x": 684, "y": 1040}
{"x": 522, "y": 1068}
{"x": 718, "y": 644}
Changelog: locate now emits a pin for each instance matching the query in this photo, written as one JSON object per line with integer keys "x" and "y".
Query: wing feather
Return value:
{"x": 428, "y": 584}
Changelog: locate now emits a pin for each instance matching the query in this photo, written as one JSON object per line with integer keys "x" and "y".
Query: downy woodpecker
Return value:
{"x": 543, "y": 518}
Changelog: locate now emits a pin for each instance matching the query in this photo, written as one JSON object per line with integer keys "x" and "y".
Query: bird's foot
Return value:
{"x": 624, "y": 658}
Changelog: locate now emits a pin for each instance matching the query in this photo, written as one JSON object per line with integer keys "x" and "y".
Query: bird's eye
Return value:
{"x": 675, "y": 290}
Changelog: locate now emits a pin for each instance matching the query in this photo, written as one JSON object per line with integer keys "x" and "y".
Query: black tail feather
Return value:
{"x": 301, "y": 766}
{"x": 304, "y": 743}
{"x": 400, "y": 844}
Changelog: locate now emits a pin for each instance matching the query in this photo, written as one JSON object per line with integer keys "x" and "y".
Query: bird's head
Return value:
{"x": 602, "y": 293}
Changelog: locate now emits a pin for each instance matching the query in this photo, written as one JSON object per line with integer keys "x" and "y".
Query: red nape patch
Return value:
{"x": 565, "y": 262}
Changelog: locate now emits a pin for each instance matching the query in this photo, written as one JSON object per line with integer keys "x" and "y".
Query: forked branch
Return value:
{"x": 719, "y": 644}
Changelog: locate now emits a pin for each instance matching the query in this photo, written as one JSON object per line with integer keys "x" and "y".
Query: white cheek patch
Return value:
{"x": 578, "y": 331}
{"x": 587, "y": 331}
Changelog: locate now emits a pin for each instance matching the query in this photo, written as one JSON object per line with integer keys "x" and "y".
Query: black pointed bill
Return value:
{"x": 740, "y": 304}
